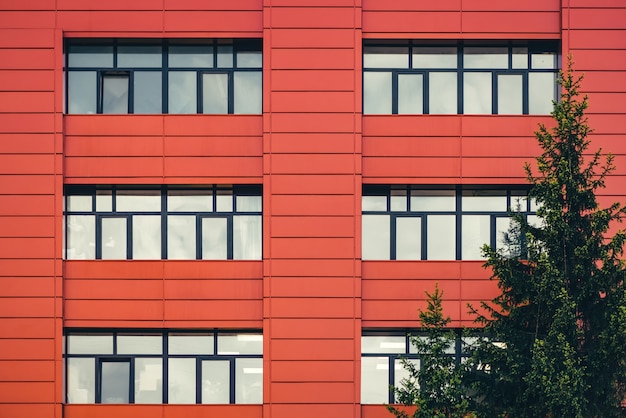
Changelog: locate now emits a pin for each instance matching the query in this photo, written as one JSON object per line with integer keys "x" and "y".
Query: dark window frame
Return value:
{"x": 238, "y": 45}
{"x": 164, "y": 213}
{"x": 533, "y": 48}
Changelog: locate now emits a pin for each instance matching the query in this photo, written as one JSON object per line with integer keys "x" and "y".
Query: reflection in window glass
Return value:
{"x": 481, "y": 200}
{"x": 240, "y": 344}
{"x": 249, "y": 378}
{"x": 181, "y": 237}
{"x": 541, "y": 92}
{"x": 441, "y": 240}
{"x": 475, "y": 233}
{"x": 146, "y": 237}
{"x": 374, "y": 380}
{"x": 503, "y": 227}
{"x": 435, "y": 57}
{"x": 148, "y": 380}
{"x": 216, "y": 382}
{"x": 510, "y": 94}
{"x": 81, "y": 91}
{"x": 410, "y": 94}
{"x": 247, "y": 238}
{"x": 78, "y": 203}
{"x": 90, "y": 344}
{"x": 385, "y": 57}
{"x": 477, "y": 93}
{"x": 181, "y": 384}
{"x": 115, "y": 94}
{"x": 90, "y": 56}
{"x": 433, "y": 200}
{"x": 190, "y": 56}
{"x": 215, "y": 93}
{"x": 408, "y": 238}
{"x": 104, "y": 200}
{"x": 115, "y": 382}
{"x": 138, "y": 200}
{"x": 224, "y": 200}
{"x": 114, "y": 238}
{"x": 376, "y": 237}
{"x": 398, "y": 200}
{"x": 248, "y": 92}
{"x": 249, "y": 204}
{"x": 520, "y": 58}
{"x": 81, "y": 237}
{"x": 224, "y": 56}
{"x": 376, "y": 93}
{"x": 249, "y": 59}
{"x": 545, "y": 60}
{"x": 190, "y": 344}
{"x": 383, "y": 344}
{"x": 81, "y": 377}
{"x": 214, "y": 238}
{"x": 374, "y": 203}
{"x": 139, "y": 56}
{"x": 189, "y": 201}
{"x": 182, "y": 92}
{"x": 443, "y": 93}
{"x": 401, "y": 373}
{"x": 147, "y": 92}
{"x": 139, "y": 344}
{"x": 485, "y": 57}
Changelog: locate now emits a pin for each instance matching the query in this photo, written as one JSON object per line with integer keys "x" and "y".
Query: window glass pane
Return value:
{"x": 248, "y": 91}
{"x": 115, "y": 382}
{"x": 442, "y": 98}
{"x": 81, "y": 92}
{"x": 147, "y": 94}
{"x": 182, "y": 92}
{"x": 249, "y": 378}
{"x": 115, "y": 94}
{"x": 81, "y": 237}
{"x": 114, "y": 239}
{"x": 215, "y": 382}
{"x": 541, "y": 92}
{"x": 376, "y": 93}
{"x": 139, "y": 344}
{"x": 520, "y": 58}
{"x": 383, "y": 344}
{"x": 485, "y": 57}
{"x": 240, "y": 344}
{"x": 181, "y": 237}
{"x": 477, "y": 93}
{"x": 215, "y": 93}
{"x": 519, "y": 201}
{"x": 510, "y": 94}
{"x": 433, "y": 200}
{"x": 398, "y": 200}
{"x": 225, "y": 56}
{"x": 534, "y": 220}
{"x": 249, "y": 59}
{"x": 401, "y": 373}
{"x": 543, "y": 60}
{"x": 408, "y": 238}
{"x": 385, "y": 57}
{"x": 484, "y": 200}
{"x": 190, "y": 344}
{"x": 376, "y": 237}
{"x": 410, "y": 94}
{"x": 104, "y": 200}
{"x": 374, "y": 203}
{"x": 190, "y": 56}
{"x": 374, "y": 380}
{"x": 81, "y": 380}
{"x": 90, "y": 344}
{"x": 181, "y": 384}
{"x": 148, "y": 380}
{"x": 508, "y": 242}
{"x": 441, "y": 237}
{"x": 139, "y": 56}
{"x": 138, "y": 201}
{"x": 146, "y": 237}
{"x": 474, "y": 234}
{"x": 79, "y": 203}
{"x": 435, "y": 57}
{"x": 90, "y": 56}
{"x": 249, "y": 204}
{"x": 189, "y": 201}
{"x": 214, "y": 239}
{"x": 247, "y": 239}
{"x": 224, "y": 202}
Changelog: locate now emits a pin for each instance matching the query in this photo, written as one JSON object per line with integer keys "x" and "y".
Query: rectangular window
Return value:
{"x": 437, "y": 224}
{"x": 168, "y": 222}
{"x": 164, "y": 76}
{"x": 381, "y": 362}
{"x": 470, "y": 77}
{"x": 148, "y": 367}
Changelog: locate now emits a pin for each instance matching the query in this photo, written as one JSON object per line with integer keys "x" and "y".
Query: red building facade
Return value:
{"x": 371, "y": 121}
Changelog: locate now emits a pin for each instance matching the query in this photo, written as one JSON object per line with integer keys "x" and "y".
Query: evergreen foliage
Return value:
{"x": 560, "y": 321}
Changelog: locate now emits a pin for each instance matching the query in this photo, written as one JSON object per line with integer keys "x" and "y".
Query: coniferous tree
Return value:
{"x": 434, "y": 385}
{"x": 556, "y": 343}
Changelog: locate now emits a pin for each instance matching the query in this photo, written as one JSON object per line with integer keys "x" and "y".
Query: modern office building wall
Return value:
{"x": 372, "y": 122}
